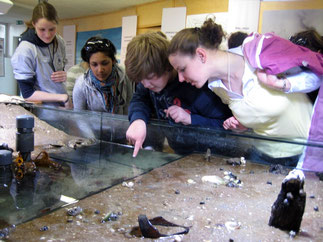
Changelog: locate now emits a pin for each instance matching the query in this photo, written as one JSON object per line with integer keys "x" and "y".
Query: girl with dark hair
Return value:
{"x": 39, "y": 60}
{"x": 105, "y": 86}
{"x": 195, "y": 54}
{"x": 310, "y": 39}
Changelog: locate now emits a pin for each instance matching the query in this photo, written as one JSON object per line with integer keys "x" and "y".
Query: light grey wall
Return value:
{"x": 8, "y": 85}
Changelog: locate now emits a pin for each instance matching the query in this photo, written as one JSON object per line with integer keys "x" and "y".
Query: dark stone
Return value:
{"x": 288, "y": 209}
{"x": 278, "y": 169}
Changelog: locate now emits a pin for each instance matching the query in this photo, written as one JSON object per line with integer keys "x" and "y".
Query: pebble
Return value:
{"x": 44, "y": 228}
{"x": 178, "y": 238}
{"x": 74, "y": 211}
{"x": 292, "y": 234}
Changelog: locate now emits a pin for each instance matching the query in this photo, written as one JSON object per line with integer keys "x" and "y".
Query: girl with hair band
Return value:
{"x": 105, "y": 86}
{"x": 195, "y": 54}
{"x": 39, "y": 60}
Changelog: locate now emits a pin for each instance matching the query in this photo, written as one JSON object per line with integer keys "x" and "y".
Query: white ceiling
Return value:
{"x": 22, "y": 9}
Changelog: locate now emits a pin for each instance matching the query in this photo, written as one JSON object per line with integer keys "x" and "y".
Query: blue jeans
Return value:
{"x": 258, "y": 156}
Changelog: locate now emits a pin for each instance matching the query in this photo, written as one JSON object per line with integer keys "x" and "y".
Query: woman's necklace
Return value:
{"x": 51, "y": 57}
{"x": 229, "y": 72}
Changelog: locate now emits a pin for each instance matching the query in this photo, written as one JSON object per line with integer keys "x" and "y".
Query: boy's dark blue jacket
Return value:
{"x": 206, "y": 108}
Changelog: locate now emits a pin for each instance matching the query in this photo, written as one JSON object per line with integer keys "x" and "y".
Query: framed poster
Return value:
{"x": 1, "y": 56}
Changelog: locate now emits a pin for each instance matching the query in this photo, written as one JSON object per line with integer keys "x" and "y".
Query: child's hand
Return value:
{"x": 233, "y": 124}
{"x": 136, "y": 135}
{"x": 59, "y": 76}
{"x": 178, "y": 114}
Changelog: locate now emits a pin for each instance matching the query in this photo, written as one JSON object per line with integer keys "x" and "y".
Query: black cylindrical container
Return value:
{"x": 5, "y": 167}
{"x": 25, "y": 133}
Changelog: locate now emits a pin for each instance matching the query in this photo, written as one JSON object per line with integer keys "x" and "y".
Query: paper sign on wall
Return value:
{"x": 173, "y": 20}
{"x": 129, "y": 30}
{"x": 69, "y": 37}
{"x": 243, "y": 15}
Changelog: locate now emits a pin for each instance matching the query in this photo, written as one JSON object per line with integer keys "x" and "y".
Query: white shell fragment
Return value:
{"x": 190, "y": 181}
{"x": 213, "y": 179}
{"x": 128, "y": 184}
{"x": 243, "y": 161}
{"x": 231, "y": 225}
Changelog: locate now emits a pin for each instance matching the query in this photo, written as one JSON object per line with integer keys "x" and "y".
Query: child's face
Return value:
{"x": 101, "y": 65}
{"x": 46, "y": 30}
{"x": 190, "y": 69}
{"x": 154, "y": 83}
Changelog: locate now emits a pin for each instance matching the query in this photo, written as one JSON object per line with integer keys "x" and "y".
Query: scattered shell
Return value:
{"x": 190, "y": 217}
{"x": 213, "y": 179}
{"x": 74, "y": 211}
{"x": 80, "y": 142}
{"x": 292, "y": 234}
{"x": 128, "y": 184}
{"x": 4, "y": 233}
{"x": 190, "y": 181}
{"x": 231, "y": 180}
{"x": 178, "y": 238}
{"x": 231, "y": 225}
{"x": 44, "y": 228}
{"x": 110, "y": 217}
{"x": 234, "y": 161}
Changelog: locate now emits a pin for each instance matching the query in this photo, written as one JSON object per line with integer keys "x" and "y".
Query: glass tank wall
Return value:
{"x": 107, "y": 160}
{"x": 180, "y": 139}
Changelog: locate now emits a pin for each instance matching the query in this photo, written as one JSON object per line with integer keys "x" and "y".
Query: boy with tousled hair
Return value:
{"x": 160, "y": 95}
